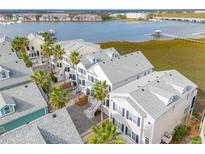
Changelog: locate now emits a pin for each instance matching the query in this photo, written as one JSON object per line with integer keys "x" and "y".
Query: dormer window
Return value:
{"x": 92, "y": 59}
{"x": 4, "y": 73}
{"x": 7, "y": 105}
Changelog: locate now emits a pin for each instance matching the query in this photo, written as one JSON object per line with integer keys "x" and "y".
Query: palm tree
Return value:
{"x": 41, "y": 78}
{"x": 47, "y": 38}
{"x": 58, "y": 53}
{"x": 58, "y": 98}
{"x": 100, "y": 90}
{"x": 47, "y": 50}
{"x": 106, "y": 133}
{"x": 19, "y": 44}
{"x": 26, "y": 59}
{"x": 75, "y": 60}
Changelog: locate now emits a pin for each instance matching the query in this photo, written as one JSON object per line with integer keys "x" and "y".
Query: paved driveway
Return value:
{"x": 80, "y": 120}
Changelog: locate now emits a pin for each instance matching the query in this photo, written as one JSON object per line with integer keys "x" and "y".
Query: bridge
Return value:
{"x": 194, "y": 20}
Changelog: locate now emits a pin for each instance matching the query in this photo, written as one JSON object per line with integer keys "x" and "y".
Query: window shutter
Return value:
{"x": 138, "y": 122}
{"x": 127, "y": 114}
{"x": 113, "y": 120}
{"x": 126, "y": 130}
{"x": 122, "y": 128}
{"x": 123, "y": 112}
{"x": 137, "y": 138}
{"x": 114, "y": 106}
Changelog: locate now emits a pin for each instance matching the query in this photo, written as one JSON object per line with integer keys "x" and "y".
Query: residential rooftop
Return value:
{"x": 123, "y": 68}
{"x": 157, "y": 92}
{"x": 19, "y": 73}
{"x": 28, "y": 99}
{"x": 99, "y": 55}
{"x": 79, "y": 45}
{"x": 53, "y": 128}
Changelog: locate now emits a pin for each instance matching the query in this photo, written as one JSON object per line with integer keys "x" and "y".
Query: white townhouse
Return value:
{"x": 69, "y": 46}
{"x": 147, "y": 110}
{"x": 108, "y": 65}
{"x": 34, "y": 49}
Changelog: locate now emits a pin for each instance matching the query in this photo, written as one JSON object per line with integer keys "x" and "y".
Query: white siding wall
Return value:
{"x": 169, "y": 120}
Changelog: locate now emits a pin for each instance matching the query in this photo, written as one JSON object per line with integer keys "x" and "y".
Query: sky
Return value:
{"x": 102, "y": 4}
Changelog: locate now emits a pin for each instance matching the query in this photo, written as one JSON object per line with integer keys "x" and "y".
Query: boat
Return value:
{"x": 51, "y": 32}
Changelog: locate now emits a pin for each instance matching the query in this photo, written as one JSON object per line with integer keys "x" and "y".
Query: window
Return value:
{"x": 83, "y": 82}
{"x": 133, "y": 118}
{"x": 32, "y": 48}
{"x": 3, "y": 74}
{"x": 67, "y": 69}
{"x": 146, "y": 140}
{"x": 92, "y": 79}
{"x": 7, "y": 110}
{"x": 131, "y": 135}
{"x": 119, "y": 109}
{"x": 59, "y": 65}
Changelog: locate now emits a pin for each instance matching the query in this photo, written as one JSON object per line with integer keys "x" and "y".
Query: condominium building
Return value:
{"x": 21, "y": 101}
{"x": 148, "y": 109}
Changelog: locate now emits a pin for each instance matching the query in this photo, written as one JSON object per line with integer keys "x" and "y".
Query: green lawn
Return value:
{"x": 186, "y": 57}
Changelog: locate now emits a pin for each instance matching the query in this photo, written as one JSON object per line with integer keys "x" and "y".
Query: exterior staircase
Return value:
{"x": 90, "y": 112}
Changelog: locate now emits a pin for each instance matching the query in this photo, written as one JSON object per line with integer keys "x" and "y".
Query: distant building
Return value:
{"x": 133, "y": 15}
{"x": 53, "y": 17}
{"x": 199, "y": 11}
{"x": 29, "y": 16}
{"x": 87, "y": 17}
{"x": 21, "y": 101}
{"x": 54, "y": 128}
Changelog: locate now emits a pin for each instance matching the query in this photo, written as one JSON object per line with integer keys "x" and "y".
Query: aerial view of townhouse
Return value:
{"x": 102, "y": 76}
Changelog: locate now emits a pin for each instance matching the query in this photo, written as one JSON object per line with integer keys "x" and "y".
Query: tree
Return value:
{"x": 47, "y": 38}
{"x": 180, "y": 132}
{"x": 19, "y": 44}
{"x": 26, "y": 59}
{"x": 58, "y": 98}
{"x": 58, "y": 53}
{"x": 106, "y": 133}
{"x": 41, "y": 78}
{"x": 75, "y": 60}
{"x": 100, "y": 90}
{"x": 47, "y": 50}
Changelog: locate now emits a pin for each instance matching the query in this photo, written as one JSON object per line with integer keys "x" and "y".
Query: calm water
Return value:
{"x": 106, "y": 31}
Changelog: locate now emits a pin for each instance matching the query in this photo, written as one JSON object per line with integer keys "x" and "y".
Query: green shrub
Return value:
{"x": 196, "y": 140}
{"x": 181, "y": 131}
{"x": 54, "y": 78}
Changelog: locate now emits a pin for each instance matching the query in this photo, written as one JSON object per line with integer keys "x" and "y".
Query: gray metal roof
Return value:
{"x": 19, "y": 73}
{"x": 123, "y": 68}
{"x": 148, "y": 91}
{"x": 54, "y": 128}
{"x": 100, "y": 55}
{"x": 78, "y": 45}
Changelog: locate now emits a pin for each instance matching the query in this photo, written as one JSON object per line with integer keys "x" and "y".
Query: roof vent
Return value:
{"x": 170, "y": 74}
{"x": 54, "y": 115}
{"x": 142, "y": 89}
{"x": 26, "y": 86}
{"x": 16, "y": 61}
{"x": 157, "y": 81}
